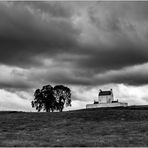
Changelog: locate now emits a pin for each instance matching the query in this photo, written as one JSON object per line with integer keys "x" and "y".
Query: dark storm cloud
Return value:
{"x": 136, "y": 75}
{"x": 81, "y": 41}
{"x": 129, "y": 76}
{"x": 15, "y": 78}
{"x": 121, "y": 25}
{"x": 54, "y": 9}
{"x": 26, "y": 33}
{"x": 114, "y": 58}
{"x": 22, "y": 85}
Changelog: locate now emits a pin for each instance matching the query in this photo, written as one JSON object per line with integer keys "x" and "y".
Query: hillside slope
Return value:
{"x": 93, "y": 127}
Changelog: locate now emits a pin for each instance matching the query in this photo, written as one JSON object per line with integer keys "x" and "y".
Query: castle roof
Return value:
{"x": 105, "y": 93}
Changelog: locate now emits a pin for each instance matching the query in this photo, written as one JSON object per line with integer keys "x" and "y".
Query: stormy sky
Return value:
{"x": 86, "y": 46}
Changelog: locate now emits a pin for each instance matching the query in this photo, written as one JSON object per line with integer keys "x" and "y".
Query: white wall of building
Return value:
{"x": 105, "y": 99}
{"x": 107, "y": 105}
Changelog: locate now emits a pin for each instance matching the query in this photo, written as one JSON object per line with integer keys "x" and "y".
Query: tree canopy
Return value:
{"x": 52, "y": 98}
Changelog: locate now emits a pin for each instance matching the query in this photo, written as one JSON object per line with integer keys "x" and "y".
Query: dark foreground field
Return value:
{"x": 97, "y": 127}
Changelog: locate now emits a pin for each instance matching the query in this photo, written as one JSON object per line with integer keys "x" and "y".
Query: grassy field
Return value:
{"x": 93, "y": 127}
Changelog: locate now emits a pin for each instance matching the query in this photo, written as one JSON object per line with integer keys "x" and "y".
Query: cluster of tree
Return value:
{"x": 52, "y": 98}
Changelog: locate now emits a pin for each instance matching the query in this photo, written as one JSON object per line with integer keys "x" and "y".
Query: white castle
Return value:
{"x": 106, "y": 99}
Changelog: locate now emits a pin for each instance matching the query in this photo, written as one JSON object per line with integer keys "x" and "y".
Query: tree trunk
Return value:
{"x": 61, "y": 109}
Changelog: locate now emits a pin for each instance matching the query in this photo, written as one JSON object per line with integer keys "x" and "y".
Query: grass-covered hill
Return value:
{"x": 92, "y": 127}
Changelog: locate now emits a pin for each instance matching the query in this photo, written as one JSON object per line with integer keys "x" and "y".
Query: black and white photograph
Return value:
{"x": 73, "y": 73}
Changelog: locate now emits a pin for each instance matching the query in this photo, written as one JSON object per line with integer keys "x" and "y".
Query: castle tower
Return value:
{"x": 105, "y": 96}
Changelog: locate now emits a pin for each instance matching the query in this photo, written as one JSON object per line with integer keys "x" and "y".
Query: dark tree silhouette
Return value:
{"x": 43, "y": 98}
{"x": 63, "y": 96}
{"x": 50, "y": 99}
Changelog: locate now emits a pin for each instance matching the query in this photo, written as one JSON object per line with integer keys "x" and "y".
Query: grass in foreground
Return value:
{"x": 94, "y": 127}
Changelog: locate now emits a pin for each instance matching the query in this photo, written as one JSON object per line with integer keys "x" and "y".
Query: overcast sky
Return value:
{"x": 86, "y": 46}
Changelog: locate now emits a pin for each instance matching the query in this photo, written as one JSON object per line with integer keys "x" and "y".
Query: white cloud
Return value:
{"x": 11, "y": 101}
{"x": 131, "y": 94}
